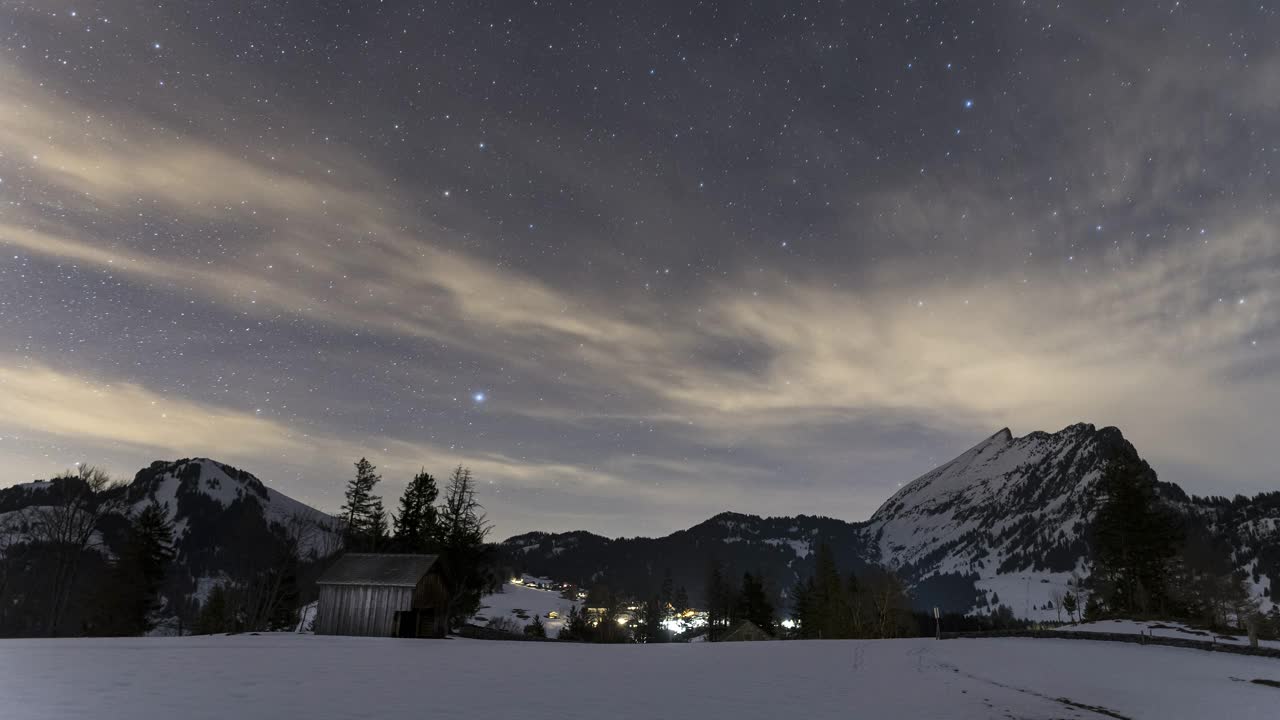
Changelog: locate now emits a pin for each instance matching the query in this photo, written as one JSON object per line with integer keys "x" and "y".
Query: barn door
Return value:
{"x": 407, "y": 623}
{"x": 427, "y": 622}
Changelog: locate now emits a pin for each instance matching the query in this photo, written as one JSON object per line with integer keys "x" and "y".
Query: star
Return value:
{"x": 478, "y": 397}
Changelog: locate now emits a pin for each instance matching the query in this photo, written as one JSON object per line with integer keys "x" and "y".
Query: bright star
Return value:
{"x": 968, "y": 104}
{"x": 478, "y": 397}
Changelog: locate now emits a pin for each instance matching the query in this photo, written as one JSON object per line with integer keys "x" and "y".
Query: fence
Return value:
{"x": 1121, "y": 637}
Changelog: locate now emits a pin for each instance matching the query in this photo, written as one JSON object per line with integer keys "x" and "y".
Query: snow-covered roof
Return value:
{"x": 378, "y": 569}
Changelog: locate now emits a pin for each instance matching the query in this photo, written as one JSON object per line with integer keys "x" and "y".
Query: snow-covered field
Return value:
{"x": 516, "y": 601}
{"x": 1164, "y": 628}
{"x": 287, "y": 675}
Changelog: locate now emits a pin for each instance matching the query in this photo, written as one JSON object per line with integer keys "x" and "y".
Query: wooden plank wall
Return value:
{"x": 360, "y": 609}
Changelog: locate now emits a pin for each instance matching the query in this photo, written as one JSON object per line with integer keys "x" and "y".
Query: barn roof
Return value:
{"x": 378, "y": 569}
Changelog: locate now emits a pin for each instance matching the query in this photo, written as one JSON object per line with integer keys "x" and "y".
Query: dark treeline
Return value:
{"x": 453, "y": 527}
{"x": 82, "y": 554}
{"x": 871, "y": 605}
{"x": 1148, "y": 560}
{"x": 54, "y": 579}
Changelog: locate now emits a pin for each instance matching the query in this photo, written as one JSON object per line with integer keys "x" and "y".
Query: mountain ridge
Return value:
{"x": 1004, "y": 522}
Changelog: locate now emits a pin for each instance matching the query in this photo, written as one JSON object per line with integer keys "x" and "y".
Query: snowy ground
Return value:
{"x": 1162, "y": 628}
{"x": 516, "y": 601}
{"x": 289, "y": 675}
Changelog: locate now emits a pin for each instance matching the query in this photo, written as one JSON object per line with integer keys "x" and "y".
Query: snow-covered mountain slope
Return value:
{"x": 780, "y": 550}
{"x": 1010, "y": 503}
{"x": 229, "y": 528}
{"x": 195, "y": 487}
{"x": 519, "y": 604}
{"x": 1011, "y": 511}
{"x": 1013, "y": 514}
{"x": 1006, "y": 522}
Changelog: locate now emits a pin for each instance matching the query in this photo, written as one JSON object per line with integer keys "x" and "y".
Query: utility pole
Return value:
{"x": 937, "y": 623}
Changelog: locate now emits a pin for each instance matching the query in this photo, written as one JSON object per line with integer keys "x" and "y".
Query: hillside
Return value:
{"x": 228, "y": 528}
{"x": 1005, "y": 522}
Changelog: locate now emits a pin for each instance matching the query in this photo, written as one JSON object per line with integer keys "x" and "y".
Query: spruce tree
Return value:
{"x": 215, "y": 614}
{"x": 464, "y": 554}
{"x": 802, "y": 610}
{"x": 1069, "y": 604}
{"x": 132, "y": 596}
{"x": 536, "y": 628}
{"x": 753, "y": 603}
{"x": 417, "y": 524}
{"x": 378, "y": 530}
{"x": 153, "y": 538}
{"x": 832, "y": 605}
{"x": 358, "y": 510}
{"x": 1133, "y": 542}
{"x": 720, "y": 602}
{"x": 681, "y": 601}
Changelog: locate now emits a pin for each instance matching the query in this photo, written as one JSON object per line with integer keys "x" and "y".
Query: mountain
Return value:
{"x": 228, "y": 528}
{"x": 205, "y": 498}
{"x": 779, "y": 549}
{"x": 1006, "y": 522}
{"x": 1012, "y": 513}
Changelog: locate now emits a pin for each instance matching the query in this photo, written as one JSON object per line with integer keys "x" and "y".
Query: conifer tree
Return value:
{"x": 417, "y": 524}
{"x": 216, "y": 614}
{"x": 577, "y": 627}
{"x": 1134, "y": 538}
{"x": 378, "y": 530}
{"x": 720, "y": 602}
{"x": 681, "y": 601}
{"x": 648, "y": 626}
{"x": 832, "y": 608}
{"x": 536, "y": 628}
{"x": 358, "y": 510}
{"x": 464, "y": 554}
{"x": 153, "y": 545}
{"x": 1069, "y": 604}
{"x": 802, "y": 609}
{"x": 133, "y": 593}
{"x": 753, "y": 603}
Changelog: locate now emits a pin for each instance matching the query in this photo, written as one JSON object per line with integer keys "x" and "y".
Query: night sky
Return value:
{"x": 636, "y": 263}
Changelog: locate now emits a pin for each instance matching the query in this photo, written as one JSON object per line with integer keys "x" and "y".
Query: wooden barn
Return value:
{"x": 746, "y": 631}
{"x": 383, "y": 595}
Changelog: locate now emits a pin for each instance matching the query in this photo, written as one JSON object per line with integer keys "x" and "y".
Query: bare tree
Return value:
{"x": 1056, "y": 596}
{"x": 80, "y": 500}
{"x": 267, "y": 590}
{"x": 13, "y": 548}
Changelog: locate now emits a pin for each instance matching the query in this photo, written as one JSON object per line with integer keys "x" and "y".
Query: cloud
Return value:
{"x": 39, "y": 399}
{"x": 983, "y": 297}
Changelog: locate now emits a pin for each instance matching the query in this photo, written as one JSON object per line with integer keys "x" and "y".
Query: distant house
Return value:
{"x": 745, "y": 631}
{"x": 383, "y": 595}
